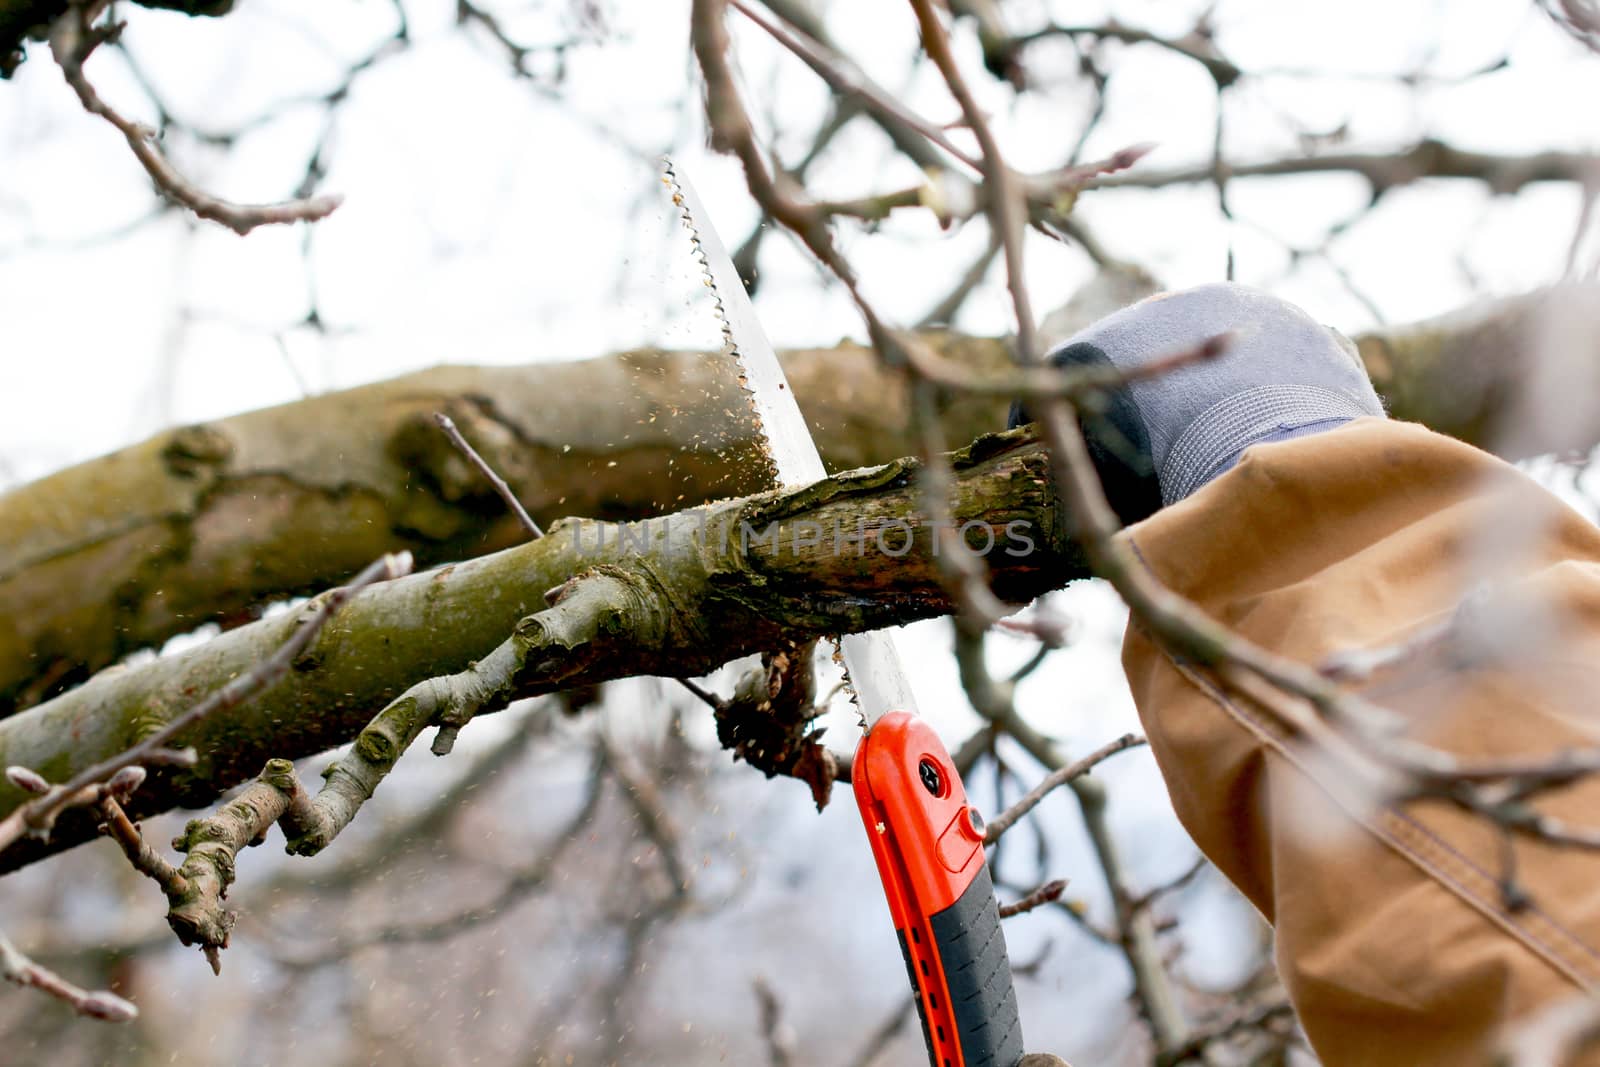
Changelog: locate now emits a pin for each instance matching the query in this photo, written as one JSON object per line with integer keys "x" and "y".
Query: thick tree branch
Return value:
{"x": 208, "y": 522}
{"x": 154, "y": 748}
{"x": 676, "y": 595}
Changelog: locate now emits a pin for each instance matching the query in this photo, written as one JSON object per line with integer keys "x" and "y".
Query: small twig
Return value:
{"x": 777, "y": 1034}
{"x": 651, "y": 811}
{"x": 1045, "y": 381}
{"x": 1512, "y": 895}
{"x": 714, "y": 702}
{"x": 848, "y": 82}
{"x": 533, "y": 877}
{"x": 1195, "y": 1046}
{"x": 145, "y": 860}
{"x": 72, "y": 40}
{"x": 449, "y": 427}
{"x": 1056, "y": 778}
{"x": 1007, "y": 204}
{"x": 1454, "y": 635}
{"x": 98, "y": 1004}
{"x": 1045, "y": 894}
{"x": 1034, "y": 662}
{"x": 1192, "y": 45}
{"x": 883, "y": 1034}
{"x": 118, "y": 788}
{"x": 946, "y": 309}
{"x": 1053, "y": 631}
{"x": 1144, "y": 900}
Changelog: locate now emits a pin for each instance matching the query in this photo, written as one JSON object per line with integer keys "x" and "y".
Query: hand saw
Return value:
{"x": 926, "y": 839}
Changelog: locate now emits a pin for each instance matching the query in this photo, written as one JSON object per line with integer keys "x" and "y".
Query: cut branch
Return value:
{"x": 208, "y": 522}
{"x": 677, "y": 595}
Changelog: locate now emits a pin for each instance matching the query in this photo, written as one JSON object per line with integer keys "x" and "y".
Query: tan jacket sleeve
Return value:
{"x": 1394, "y": 937}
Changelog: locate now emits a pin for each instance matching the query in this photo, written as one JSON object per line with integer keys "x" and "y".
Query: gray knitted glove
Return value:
{"x": 1158, "y": 440}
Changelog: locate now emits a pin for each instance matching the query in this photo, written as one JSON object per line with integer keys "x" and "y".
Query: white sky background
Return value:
{"x": 487, "y": 222}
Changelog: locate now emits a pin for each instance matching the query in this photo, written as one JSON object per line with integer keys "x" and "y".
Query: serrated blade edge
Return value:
{"x": 873, "y": 675}
{"x": 789, "y": 445}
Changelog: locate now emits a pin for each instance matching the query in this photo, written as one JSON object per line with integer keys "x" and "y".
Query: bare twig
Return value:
{"x": 1256, "y": 1018}
{"x": 449, "y": 427}
{"x": 145, "y": 860}
{"x": 848, "y": 81}
{"x": 1007, "y": 205}
{"x": 1075, "y": 382}
{"x": 1045, "y": 894}
{"x": 99, "y": 1004}
{"x": 657, "y": 824}
{"x": 946, "y": 309}
{"x": 1054, "y": 780}
{"x": 1579, "y": 18}
{"x": 1193, "y": 45}
{"x": 1189, "y": 874}
{"x": 73, "y": 37}
{"x": 1384, "y": 171}
{"x": 527, "y": 880}
{"x": 775, "y": 1033}
{"x": 884, "y": 1033}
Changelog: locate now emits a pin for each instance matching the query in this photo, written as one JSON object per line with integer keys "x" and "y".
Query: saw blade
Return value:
{"x": 873, "y": 675}
{"x": 794, "y": 455}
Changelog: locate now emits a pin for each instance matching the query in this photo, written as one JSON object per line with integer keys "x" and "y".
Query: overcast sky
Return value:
{"x": 496, "y": 220}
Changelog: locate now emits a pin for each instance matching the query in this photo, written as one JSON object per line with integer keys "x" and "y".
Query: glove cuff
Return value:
{"x": 1212, "y": 443}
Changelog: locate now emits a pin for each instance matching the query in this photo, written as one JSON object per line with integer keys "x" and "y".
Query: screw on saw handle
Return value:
{"x": 928, "y": 844}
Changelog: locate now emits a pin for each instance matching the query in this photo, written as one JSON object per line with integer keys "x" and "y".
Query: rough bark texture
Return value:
{"x": 702, "y": 587}
{"x": 205, "y": 522}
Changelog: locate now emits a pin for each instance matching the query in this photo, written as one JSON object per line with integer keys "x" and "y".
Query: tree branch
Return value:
{"x": 208, "y": 522}
{"x": 681, "y": 594}
{"x": 73, "y": 38}
{"x": 1384, "y": 170}
{"x": 15, "y": 967}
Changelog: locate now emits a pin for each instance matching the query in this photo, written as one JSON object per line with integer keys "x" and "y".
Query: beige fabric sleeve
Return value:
{"x": 1394, "y": 937}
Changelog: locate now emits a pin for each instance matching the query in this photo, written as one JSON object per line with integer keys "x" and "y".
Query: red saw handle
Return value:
{"x": 929, "y": 846}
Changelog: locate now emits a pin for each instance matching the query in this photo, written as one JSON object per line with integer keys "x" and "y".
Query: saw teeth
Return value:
{"x": 669, "y": 177}
{"x": 849, "y": 686}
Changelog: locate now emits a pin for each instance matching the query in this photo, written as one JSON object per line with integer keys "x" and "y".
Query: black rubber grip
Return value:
{"x": 977, "y": 974}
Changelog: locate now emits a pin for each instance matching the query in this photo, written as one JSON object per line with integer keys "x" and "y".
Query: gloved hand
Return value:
{"x": 1157, "y": 440}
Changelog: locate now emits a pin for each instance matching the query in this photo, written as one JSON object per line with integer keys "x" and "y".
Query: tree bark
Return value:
{"x": 676, "y": 595}
{"x": 206, "y": 522}
{"x": 209, "y": 522}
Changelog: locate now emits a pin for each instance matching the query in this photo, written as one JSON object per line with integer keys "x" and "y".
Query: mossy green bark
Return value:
{"x": 209, "y": 522}
{"x": 683, "y": 594}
